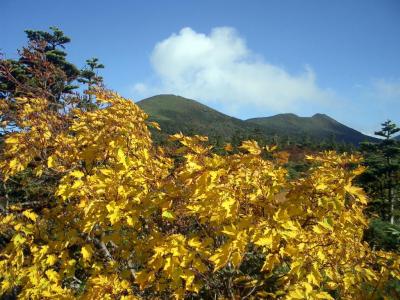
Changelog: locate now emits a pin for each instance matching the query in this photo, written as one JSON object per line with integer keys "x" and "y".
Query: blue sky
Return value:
{"x": 244, "y": 58}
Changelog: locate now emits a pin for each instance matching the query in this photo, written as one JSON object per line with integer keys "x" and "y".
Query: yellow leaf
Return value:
{"x": 129, "y": 297}
{"x": 297, "y": 294}
{"x": 30, "y": 215}
{"x": 324, "y": 295}
{"x": 38, "y": 171}
{"x": 168, "y": 215}
{"x": 87, "y": 252}
{"x": 251, "y": 146}
{"x": 176, "y": 137}
{"x": 319, "y": 229}
{"x": 154, "y": 125}
{"x": 326, "y": 223}
{"x": 130, "y": 221}
{"x": 143, "y": 278}
{"x": 51, "y": 162}
{"x": 114, "y": 212}
{"x": 12, "y": 140}
{"x": 312, "y": 279}
{"x": 51, "y": 259}
{"x": 195, "y": 243}
{"x": 357, "y": 192}
{"x": 71, "y": 262}
{"x": 106, "y": 172}
{"x": 125, "y": 284}
{"x": 321, "y": 187}
{"x": 271, "y": 148}
{"x": 321, "y": 255}
{"x": 14, "y": 164}
{"x": 270, "y": 262}
{"x": 308, "y": 287}
{"x": 52, "y": 275}
{"x": 122, "y": 192}
{"x": 265, "y": 241}
{"x": 230, "y": 230}
{"x": 77, "y": 184}
{"x": 121, "y": 157}
{"x": 5, "y": 286}
{"x": 236, "y": 259}
{"x": 359, "y": 170}
{"x": 77, "y": 174}
{"x": 229, "y": 205}
{"x": 220, "y": 259}
{"x": 18, "y": 240}
{"x": 188, "y": 277}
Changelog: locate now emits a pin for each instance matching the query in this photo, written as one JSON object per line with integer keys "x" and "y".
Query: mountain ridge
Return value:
{"x": 175, "y": 113}
{"x": 317, "y": 126}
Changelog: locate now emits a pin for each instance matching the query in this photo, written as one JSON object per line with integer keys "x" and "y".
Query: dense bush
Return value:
{"x": 383, "y": 235}
{"x": 128, "y": 220}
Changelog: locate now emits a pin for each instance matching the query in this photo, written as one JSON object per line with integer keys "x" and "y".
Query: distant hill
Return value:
{"x": 319, "y": 126}
{"x": 175, "y": 113}
{"x": 397, "y": 137}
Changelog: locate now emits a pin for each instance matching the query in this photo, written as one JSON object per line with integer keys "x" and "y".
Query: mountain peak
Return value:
{"x": 319, "y": 127}
{"x": 175, "y": 113}
{"x": 321, "y": 116}
{"x": 287, "y": 115}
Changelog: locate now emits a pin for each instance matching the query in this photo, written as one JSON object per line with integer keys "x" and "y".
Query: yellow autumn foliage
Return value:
{"x": 128, "y": 221}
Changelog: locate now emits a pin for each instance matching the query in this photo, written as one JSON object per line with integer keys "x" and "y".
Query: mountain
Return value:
{"x": 319, "y": 126}
{"x": 175, "y": 113}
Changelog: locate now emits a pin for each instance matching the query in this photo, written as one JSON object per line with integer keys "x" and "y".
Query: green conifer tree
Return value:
{"x": 42, "y": 69}
{"x": 382, "y": 178}
{"x": 89, "y": 76}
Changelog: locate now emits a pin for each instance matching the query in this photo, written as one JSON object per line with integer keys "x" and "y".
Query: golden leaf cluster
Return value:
{"x": 128, "y": 221}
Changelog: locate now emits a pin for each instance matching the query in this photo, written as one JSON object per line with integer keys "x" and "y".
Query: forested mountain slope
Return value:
{"x": 175, "y": 113}
{"x": 319, "y": 126}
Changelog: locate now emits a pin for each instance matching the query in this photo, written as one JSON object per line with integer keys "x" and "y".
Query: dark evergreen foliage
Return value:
{"x": 382, "y": 177}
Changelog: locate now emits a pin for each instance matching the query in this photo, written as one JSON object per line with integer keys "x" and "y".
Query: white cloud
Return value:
{"x": 372, "y": 103}
{"x": 387, "y": 89}
{"x": 141, "y": 88}
{"x": 219, "y": 68}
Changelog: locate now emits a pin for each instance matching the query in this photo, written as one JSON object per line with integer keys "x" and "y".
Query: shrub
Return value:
{"x": 129, "y": 221}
